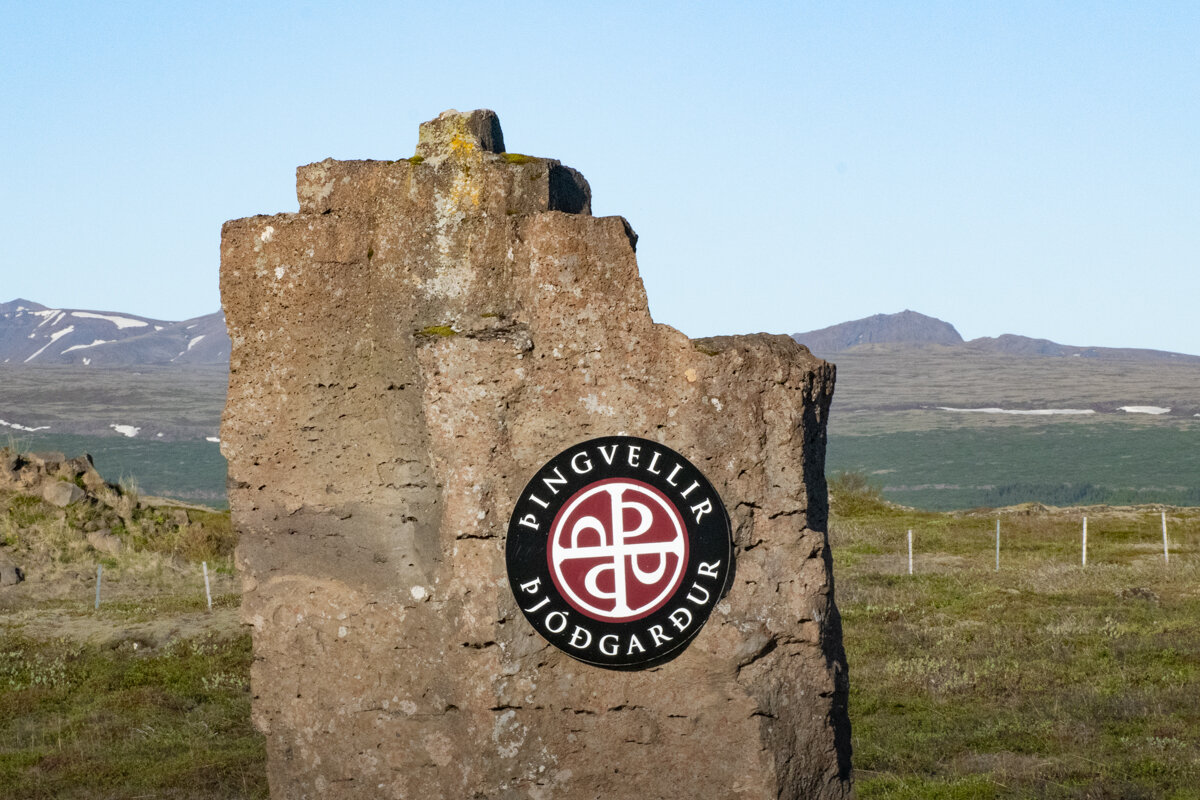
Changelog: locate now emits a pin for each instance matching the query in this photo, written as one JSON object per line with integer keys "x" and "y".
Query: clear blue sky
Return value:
{"x": 1031, "y": 168}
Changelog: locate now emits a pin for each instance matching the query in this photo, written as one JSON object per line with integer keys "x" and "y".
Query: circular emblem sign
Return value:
{"x": 618, "y": 550}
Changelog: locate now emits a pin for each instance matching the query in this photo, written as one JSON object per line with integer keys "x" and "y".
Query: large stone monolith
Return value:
{"x": 408, "y": 350}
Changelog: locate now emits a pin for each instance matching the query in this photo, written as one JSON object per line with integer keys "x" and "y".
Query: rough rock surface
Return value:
{"x": 62, "y": 493}
{"x": 62, "y": 481}
{"x": 11, "y": 575}
{"x": 407, "y": 350}
{"x": 103, "y": 541}
{"x": 49, "y": 474}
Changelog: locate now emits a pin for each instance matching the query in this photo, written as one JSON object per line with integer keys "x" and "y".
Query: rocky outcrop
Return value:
{"x": 407, "y": 350}
{"x": 46, "y": 496}
{"x": 60, "y": 481}
{"x": 55, "y": 478}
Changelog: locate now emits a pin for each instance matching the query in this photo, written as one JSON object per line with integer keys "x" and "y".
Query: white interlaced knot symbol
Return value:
{"x": 590, "y": 538}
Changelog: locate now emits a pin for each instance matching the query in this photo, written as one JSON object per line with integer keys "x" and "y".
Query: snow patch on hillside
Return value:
{"x": 50, "y": 315}
{"x": 84, "y": 346}
{"x": 125, "y": 430}
{"x": 19, "y": 427}
{"x": 1144, "y": 410}
{"x": 120, "y": 322}
{"x": 54, "y": 337}
{"x": 1033, "y": 412}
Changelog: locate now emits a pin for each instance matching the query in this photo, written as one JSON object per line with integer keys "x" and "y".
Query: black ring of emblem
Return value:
{"x": 665, "y": 632}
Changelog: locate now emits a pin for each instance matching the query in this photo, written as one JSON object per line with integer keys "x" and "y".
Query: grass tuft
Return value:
{"x": 851, "y": 494}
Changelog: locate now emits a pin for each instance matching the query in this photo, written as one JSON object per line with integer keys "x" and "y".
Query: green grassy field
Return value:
{"x": 1045, "y": 679}
{"x": 147, "y": 696}
{"x": 88, "y": 721}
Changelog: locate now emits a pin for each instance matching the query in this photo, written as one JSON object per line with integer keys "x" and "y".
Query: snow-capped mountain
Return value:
{"x": 32, "y": 334}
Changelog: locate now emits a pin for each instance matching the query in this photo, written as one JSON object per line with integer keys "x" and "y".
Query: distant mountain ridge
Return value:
{"x": 912, "y": 329}
{"x": 907, "y": 327}
{"x": 33, "y": 334}
{"x": 36, "y": 335}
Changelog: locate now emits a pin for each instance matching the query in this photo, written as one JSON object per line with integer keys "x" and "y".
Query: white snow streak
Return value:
{"x": 53, "y": 316}
{"x": 1144, "y": 409}
{"x": 85, "y": 346}
{"x": 120, "y": 322}
{"x": 1033, "y": 412}
{"x": 47, "y": 427}
{"x": 125, "y": 430}
{"x": 54, "y": 337}
{"x": 46, "y": 315}
{"x": 217, "y": 439}
{"x": 193, "y": 342}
